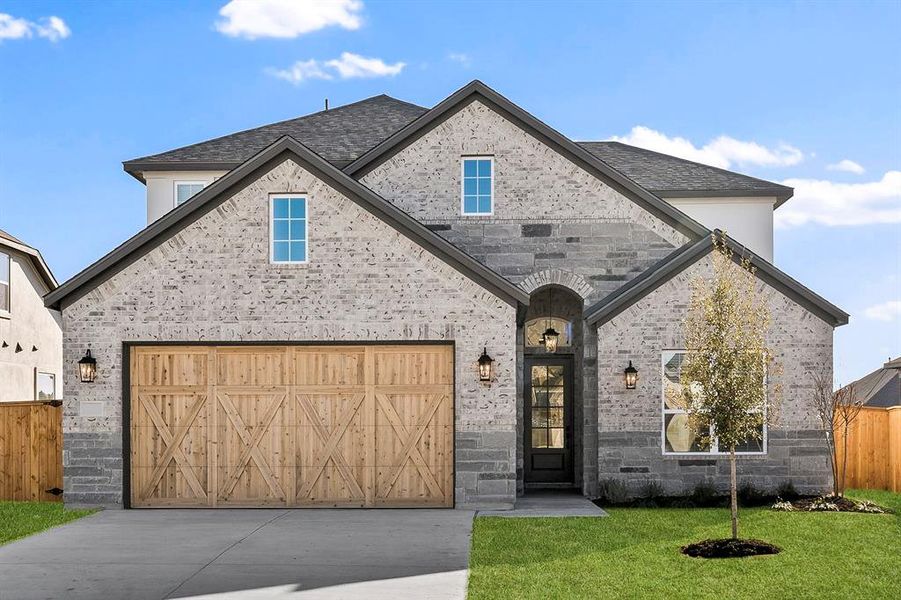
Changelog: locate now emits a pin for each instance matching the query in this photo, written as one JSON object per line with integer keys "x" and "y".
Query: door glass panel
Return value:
{"x": 555, "y": 438}
{"x": 547, "y": 409}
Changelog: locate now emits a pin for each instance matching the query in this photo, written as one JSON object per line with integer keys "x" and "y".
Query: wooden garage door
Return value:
{"x": 291, "y": 426}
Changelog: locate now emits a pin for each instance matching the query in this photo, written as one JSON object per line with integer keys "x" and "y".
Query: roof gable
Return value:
{"x": 37, "y": 261}
{"x": 338, "y": 135}
{"x": 552, "y": 138}
{"x": 678, "y": 261}
{"x": 236, "y": 180}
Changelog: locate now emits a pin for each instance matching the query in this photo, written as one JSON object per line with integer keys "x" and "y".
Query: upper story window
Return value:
{"x": 288, "y": 229}
{"x": 4, "y": 282}
{"x": 184, "y": 190}
{"x": 678, "y": 437}
{"x": 478, "y": 185}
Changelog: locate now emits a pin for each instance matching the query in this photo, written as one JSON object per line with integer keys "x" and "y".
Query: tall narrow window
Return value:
{"x": 289, "y": 229}
{"x": 184, "y": 190}
{"x": 44, "y": 386}
{"x": 4, "y": 282}
{"x": 478, "y": 185}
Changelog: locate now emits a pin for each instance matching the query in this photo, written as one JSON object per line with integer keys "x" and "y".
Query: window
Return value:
{"x": 44, "y": 386}
{"x": 4, "y": 282}
{"x": 547, "y": 406}
{"x": 288, "y": 229}
{"x": 535, "y": 328}
{"x": 184, "y": 190}
{"x": 678, "y": 438}
{"x": 478, "y": 186}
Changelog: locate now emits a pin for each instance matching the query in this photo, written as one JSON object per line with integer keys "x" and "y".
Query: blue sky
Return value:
{"x": 782, "y": 91}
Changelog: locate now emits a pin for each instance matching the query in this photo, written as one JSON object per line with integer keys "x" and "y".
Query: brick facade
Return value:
{"x": 212, "y": 281}
{"x": 629, "y": 421}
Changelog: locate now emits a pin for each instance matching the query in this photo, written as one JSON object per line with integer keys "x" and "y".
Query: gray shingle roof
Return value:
{"x": 343, "y": 134}
{"x": 40, "y": 265}
{"x": 882, "y": 387}
{"x": 339, "y": 135}
{"x": 669, "y": 176}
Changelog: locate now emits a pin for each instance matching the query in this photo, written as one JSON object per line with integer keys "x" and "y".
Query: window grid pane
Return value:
{"x": 477, "y": 186}
{"x": 289, "y": 230}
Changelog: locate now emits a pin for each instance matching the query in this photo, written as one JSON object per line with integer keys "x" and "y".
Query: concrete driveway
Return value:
{"x": 244, "y": 554}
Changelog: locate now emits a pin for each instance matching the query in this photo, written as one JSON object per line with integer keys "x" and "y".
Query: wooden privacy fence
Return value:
{"x": 874, "y": 449}
{"x": 31, "y": 451}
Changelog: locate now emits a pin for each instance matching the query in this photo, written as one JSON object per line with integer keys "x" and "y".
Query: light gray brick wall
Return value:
{"x": 212, "y": 281}
{"x": 629, "y": 421}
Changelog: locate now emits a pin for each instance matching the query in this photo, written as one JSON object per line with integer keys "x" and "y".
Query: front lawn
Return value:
{"x": 20, "y": 519}
{"x": 634, "y": 553}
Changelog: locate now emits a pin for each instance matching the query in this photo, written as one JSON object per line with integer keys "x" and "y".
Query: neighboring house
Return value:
{"x": 882, "y": 387}
{"x": 31, "y": 338}
{"x": 306, "y": 318}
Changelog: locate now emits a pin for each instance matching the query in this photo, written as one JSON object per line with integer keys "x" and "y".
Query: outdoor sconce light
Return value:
{"x": 485, "y": 363}
{"x": 631, "y": 376}
{"x": 87, "y": 368}
{"x": 550, "y": 339}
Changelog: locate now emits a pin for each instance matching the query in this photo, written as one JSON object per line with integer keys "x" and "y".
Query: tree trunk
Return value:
{"x": 841, "y": 490}
{"x": 733, "y": 493}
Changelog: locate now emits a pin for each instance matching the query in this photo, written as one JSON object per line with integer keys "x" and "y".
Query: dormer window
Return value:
{"x": 184, "y": 190}
{"x": 478, "y": 185}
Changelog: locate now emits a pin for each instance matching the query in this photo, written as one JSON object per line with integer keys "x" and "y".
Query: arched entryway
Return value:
{"x": 550, "y": 385}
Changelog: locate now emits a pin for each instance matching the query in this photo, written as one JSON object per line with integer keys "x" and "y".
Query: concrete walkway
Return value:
{"x": 549, "y": 504}
{"x": 244, "y": 554}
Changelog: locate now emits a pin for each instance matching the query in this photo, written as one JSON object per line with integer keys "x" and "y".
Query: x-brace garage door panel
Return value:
{"x": 292, "y": 426}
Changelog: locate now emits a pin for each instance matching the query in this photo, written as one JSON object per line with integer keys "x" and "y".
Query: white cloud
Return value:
{"x": 300, "y": 71}
{"x": 833, "y": 204}
{"x": 848, "y": 166}
{"x": 460, "y": 57}
{"x": 351, "y": 66}
{"x": 51, "y": 28}
{"x": 348, "y": 66}
{"x": 887, "y": 311}
{"x": 252, "y": 19}
{"x": 723, "y": 151}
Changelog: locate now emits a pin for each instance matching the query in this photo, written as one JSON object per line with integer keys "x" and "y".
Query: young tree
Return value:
{"x": 724, "y": 373}
{"x": 837, "y": 410}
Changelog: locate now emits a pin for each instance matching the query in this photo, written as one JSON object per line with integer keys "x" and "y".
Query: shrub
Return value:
{"x": 704, "y": 495}
{"x": 868, "y": 507}
{"x": 822, "y": 504}
{"x": 749, "y": 495}
{"x": 613, "y": 491}
{"x": 783, "y": 506}
{"x": 787, "y": 491}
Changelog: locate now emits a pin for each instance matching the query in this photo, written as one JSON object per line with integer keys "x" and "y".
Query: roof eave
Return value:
{"x": 231, "y": 184}
{"x": 781, "y": 194}
{"x": 37, "y": 260}
{"x": 621, "y": 299}
{"x": 447, "y": 107}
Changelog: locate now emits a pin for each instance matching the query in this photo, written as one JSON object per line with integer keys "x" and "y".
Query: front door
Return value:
{"x": 548, "y": 420}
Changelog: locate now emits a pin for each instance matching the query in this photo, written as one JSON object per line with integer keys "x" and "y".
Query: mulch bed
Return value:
{"x": 843, "y": 504}
{"x": 729, "y": 548}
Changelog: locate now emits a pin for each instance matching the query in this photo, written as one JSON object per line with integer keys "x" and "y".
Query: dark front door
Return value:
{"x": 548, "y": 420}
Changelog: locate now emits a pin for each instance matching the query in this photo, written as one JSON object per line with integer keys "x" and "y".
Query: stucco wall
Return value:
{"x": 629, "y": 421}
{"x": 161, "y": 188}
{"x": 747, "y": 220}
{"x": 213, "y": 282}
{"x": 35, "y": 329}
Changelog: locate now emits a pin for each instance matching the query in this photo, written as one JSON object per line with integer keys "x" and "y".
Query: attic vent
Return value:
{"x": 326, "y": 104}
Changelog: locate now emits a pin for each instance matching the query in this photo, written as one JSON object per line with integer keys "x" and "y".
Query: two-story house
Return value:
{"x": 31, "y": 337}
{"x": 389, "y": 305}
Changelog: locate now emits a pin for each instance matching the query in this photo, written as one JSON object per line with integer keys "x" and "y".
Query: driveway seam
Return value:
{"x": 230, "y": 546}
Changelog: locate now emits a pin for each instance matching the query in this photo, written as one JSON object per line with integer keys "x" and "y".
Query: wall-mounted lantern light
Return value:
{"x": 630, "y": 375}
{"x": 485, "y": 363}
{"x": 87, "y": 368}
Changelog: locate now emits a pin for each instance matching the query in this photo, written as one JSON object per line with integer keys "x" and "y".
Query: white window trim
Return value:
{"x": 6, "y": 313}
{"x": 463, "y": 160}
{"x": 175, "y": 185}
{"x": 272, "y": 198}
{"x": 37, "y": 375}
{"x": 714, "y": 446}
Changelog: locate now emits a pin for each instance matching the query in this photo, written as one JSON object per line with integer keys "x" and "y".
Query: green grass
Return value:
{"x": 20, "y": 519}
{"x": 634, "y": 553}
